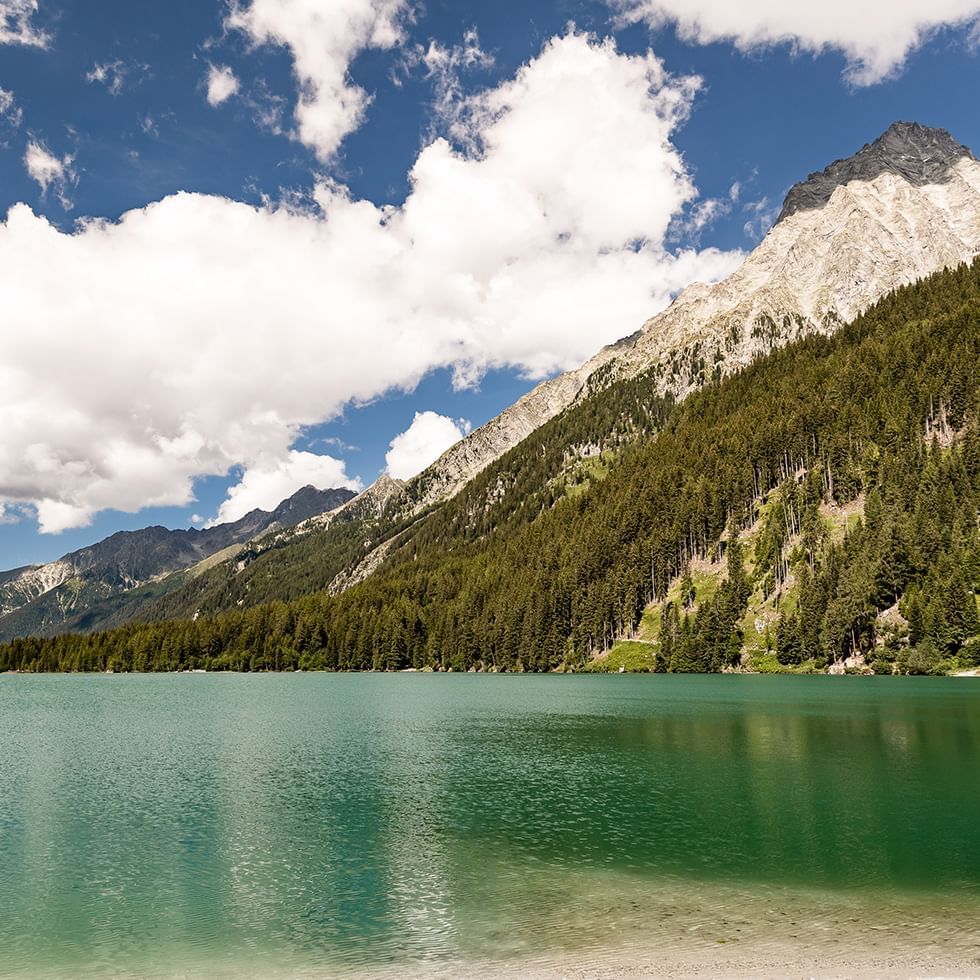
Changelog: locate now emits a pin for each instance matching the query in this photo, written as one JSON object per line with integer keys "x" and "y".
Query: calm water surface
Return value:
{"x": 208, "y": 824}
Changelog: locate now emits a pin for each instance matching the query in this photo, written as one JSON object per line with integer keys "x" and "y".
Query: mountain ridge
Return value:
{"x": 127, "y": 559}
{"x": 736, "y": 319}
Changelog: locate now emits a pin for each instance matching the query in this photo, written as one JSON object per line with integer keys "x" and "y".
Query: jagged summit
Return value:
{"x": 919, "y": 154}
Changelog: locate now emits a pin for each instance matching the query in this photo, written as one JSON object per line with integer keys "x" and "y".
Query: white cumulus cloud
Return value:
{"x": 222, "y": 84}
{"x": 267, "y": 483}
{"x": 49, "y": 171}
{"x": 422, "y": 443}
{"x": 16, "y": 26}
{"x": 199, "y": 334}
{"x": 323, "y": 39}
{"x": 876, "y": 36}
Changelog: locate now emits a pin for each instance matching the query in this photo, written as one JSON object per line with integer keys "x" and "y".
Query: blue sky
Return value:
{"x": 125, "y": 408}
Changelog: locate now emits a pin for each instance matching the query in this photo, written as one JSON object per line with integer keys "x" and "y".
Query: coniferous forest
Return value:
{"x": 831, "y": 488}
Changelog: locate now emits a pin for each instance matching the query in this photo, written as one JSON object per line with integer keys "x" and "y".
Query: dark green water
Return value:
{"x": 192, "y": 824}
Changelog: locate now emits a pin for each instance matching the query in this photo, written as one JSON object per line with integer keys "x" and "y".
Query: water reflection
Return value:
{"x": 335, "y": 822}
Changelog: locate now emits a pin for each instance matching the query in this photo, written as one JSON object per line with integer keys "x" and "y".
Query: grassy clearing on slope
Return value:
{"x": 638, "y": 653}
{"x": 706, "y": 576}
{"x": 842, "y": 518}
{"x": 586, "y": 471}
{"x": 632, "y": 655}
{"x": 763, "y": 612}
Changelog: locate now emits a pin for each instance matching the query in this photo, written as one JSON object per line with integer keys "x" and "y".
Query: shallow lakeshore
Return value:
{"x": 625, "y": 928}
{"x": 321, "y": 825}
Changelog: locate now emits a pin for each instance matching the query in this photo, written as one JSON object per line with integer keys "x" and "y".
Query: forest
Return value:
{"x": 554, "y": 553}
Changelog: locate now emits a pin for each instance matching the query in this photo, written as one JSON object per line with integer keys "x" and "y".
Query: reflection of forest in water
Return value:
{"x": 878, "y": 789}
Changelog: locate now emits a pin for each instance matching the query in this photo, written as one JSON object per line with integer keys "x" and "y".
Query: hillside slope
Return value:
{"x": 542, "y": 574}
{"x": 901, "y": 208}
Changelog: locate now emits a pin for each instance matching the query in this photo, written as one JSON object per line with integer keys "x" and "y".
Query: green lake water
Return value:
{"x": 200, "y": 825}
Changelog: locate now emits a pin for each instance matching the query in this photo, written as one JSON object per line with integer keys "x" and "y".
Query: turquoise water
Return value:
{"x": 200, "y": 824}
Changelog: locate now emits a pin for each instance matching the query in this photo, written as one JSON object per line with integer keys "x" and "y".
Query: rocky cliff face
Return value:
{"x": 901, "y": 208}
{"x": 815, "y": 270}
{"x": 460, "y": 463}
{"x": 918, "y": 154}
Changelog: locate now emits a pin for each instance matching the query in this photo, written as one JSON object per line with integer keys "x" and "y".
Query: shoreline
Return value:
{"x": 858, "y": 965}
{"x": 975, "y": 673}
{"x": 559, "y": 672}
{"x": 828, "y": 956}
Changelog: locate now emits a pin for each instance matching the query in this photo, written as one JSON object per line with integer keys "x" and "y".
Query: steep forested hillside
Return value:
{"x": 817, "y": 507}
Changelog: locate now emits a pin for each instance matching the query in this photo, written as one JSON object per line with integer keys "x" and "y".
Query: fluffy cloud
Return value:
{"x": 876, "y": 37}
{"x": 423, "y": 442}
{"x": 50, "y": 172}
{"x": 222, "y": 84}
{"x": 199, "y": 334}
{"x": 16, "y": 26}
{"x": 323, "y": 39}
{"x": 267, "y": 483}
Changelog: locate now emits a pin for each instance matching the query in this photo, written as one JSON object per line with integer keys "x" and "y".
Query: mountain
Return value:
{"x": 52, "y": 597}
{"x": 902, "y": 208}
{"x": 287, "y": 565}
{"x": 817, "y": 510}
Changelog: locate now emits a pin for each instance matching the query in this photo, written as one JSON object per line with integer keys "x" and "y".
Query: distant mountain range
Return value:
{"x": 44, "y": 599}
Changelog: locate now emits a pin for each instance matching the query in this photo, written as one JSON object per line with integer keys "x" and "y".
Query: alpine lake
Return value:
{"x": 321, "y": 825}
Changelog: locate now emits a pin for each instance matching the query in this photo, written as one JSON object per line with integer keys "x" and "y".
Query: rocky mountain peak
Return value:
{"x": 919, "y": 154}
{"x": 306, "y": 502}
{"x": 374, "y": 501}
